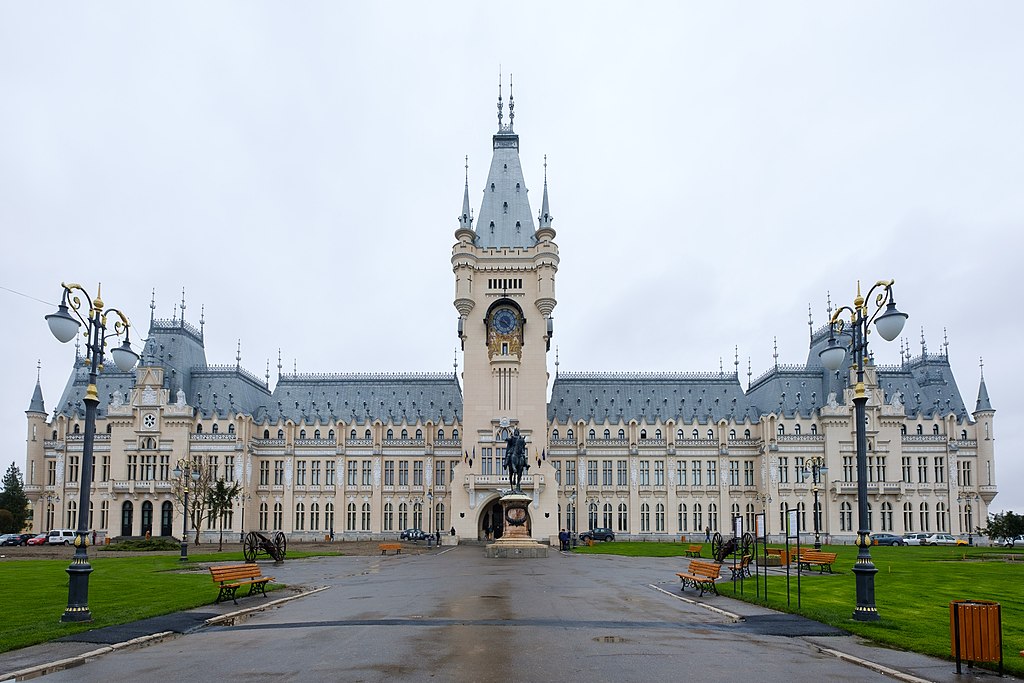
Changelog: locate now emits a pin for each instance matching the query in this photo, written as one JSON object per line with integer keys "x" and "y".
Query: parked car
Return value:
{"x": 15, "y": 539}
{"x": 887, "y": 539}
{"x": 37, "y": 540}
{"x": 943, "y": 539}
{"x": 1008, "y": 542}
{"x": 60, "y": 537}
{"x": 598, "y": 534}
{"x": 3, "y": 539}
{"x": 413, "y": 535}
{"x": 915, "y": 539}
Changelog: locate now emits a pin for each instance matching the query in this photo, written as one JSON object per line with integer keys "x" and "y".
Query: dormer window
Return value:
{"x": 504, "y": 207}
{"x": 492, "y": 187}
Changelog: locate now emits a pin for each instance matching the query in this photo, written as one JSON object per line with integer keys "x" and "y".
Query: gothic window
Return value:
{"x": 622, "y": 433}
{"x": 231, "y": 429}
{"x": 554, "y": 435}
{"x": 492, "y": 190}
{"x": 657, "y": 434}
{"x": 796, "y": 429}
{"x": 732, "y": 434}
{"x": 199, "y": 429}
{"x": 330, "y": 435}
{"x": 440, "y": 435}
{"x": 711, "y": 434}
{"x": 607, "y": 433}
{"x": 302, "y": 433}
{"x": 352, "y": 435}
{"x": 280, "y": 433}
{"x": 920, "y": 429}
{"x": 368, "y": 435}
{"x": 391, "y": 434}
{"x": 814, "y": 429}
{"x": 643, "y": 433}
{"x": 679, "y": 435}
{"x": 109, "y": 428}
{"x": 77, "y": 429}
{"x": 903, "y": 430}
{"x": 569, "y": 434}
{"x": 316, "y": 434}
{"x": 266, "y": 433}
{"x": 782, "y": 430}
{"x": 696, "y": 434}
{"x": 592, "y": 435}
{"x": 963, "y": 435}
{"x": 419, "y": 434}
{"x": 455, "y": 434}
{"x": 216, "y": 429}
{"x": 504, "y": 207}
{"x": 746, "y": 433}
{"x": 935, "y": 429}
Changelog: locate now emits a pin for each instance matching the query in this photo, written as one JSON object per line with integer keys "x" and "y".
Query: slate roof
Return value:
{"x": 504, "y": 219}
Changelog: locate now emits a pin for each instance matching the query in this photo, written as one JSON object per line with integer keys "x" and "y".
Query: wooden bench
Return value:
{"x": 823, "y": 559}
{"x": 231, "y": 577}
{"x": 701, "y": 575}
{"x": 741, "y": 567}
{"x": 385, "y": 547}
{"x": 693, "y": 550}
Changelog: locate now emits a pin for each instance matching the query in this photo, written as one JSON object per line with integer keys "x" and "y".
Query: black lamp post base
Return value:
{"x": 864, "y": 572}
{"x": 78, "y": 592}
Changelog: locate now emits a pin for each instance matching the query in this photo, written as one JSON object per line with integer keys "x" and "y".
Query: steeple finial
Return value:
{"x": 500, "y": 105}
{"x": 924, "y": 347}
{"x": 152, "y": 307}
{"x": 721, "y": 366}
{"x": 750, "y": 372}
{"x": 511, "y": 104}
{"x": 775, "y": 355}
{"x": 556, "y": 361}
{"x": 238, "y": 354}
{"x": 828, "y": 304}
{"x": 279, "y": 364}
{"x": 455, "y": 362}
{"x": 39, "y": 367}
{"x": 267, "y": 376}
{"x": 945, "y": 343}
{"x": 981, "y": 366}
{"x": 174, "y": 315}
{"x": 810, "y": 320}
{"x": 182, "y": 306}
{"x": 736, "y": 360}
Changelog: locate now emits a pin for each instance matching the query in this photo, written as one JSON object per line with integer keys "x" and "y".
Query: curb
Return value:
{"x": 67, "y": 663}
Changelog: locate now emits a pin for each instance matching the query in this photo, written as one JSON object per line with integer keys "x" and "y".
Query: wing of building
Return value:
{"x": 646, "y": 455}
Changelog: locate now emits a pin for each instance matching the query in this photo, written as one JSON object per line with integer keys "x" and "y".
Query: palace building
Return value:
{"x": 649, "y": 455}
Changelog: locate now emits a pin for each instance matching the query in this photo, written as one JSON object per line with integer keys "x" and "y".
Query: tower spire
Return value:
{"x": 511, "y": 104}
{"x": 466, "y": 219}
{"x": 983, "y": 402}
{"x": 36, "y": 404}
{"x": 152, "y": 307}
{"x": 183, "y": 307}
{"x": 545, "y": 212}
{"x": 500, "y": 105}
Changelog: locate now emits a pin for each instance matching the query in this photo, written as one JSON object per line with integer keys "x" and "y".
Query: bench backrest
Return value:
{"x": 233, "y": 572}
{"x": 708, "y": 569}
{"x": 696, "y": 547}
{"x": 818, "y": 556}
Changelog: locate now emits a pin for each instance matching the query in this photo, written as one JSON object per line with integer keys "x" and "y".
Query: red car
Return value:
{"x": 37, "y": 540}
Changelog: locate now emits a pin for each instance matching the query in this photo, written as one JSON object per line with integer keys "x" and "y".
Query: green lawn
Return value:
{"x": 121, "y": 590}
{"x": 913, "y": 589}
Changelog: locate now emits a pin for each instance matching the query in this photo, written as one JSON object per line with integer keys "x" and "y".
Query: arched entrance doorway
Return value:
{"x": 166, "y": 518}
{"x": 127, "y": 515}
{"x": 491, "y": 524}
{"x": 147, "y": 518}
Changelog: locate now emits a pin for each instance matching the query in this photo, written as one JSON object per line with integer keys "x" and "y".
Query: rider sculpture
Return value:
{"x": 515, "y": 460}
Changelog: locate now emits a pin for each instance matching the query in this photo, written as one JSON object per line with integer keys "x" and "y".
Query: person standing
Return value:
{"x": 707, "y": 534}
{"x": 563, "y": 540}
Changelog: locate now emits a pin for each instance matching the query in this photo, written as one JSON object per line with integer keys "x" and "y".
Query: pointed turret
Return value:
{"x": 466, "y": 218}
{"x": 544, "y": 229}
{"x": 983, "y": 405}
{"x": 36, "y": 404}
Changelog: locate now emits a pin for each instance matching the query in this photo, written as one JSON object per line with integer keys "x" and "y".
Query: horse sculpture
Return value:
{"x": 515, "y": 460}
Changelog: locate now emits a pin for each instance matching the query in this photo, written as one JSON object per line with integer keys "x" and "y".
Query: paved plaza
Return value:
{"x": 453, "y": 615}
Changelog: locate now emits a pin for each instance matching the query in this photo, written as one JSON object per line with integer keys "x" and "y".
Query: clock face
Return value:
{"x": 149, "y": 420}
{"x": 505, "y": 321}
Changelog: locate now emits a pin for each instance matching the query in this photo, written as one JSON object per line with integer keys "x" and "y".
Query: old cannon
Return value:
{"x": 256, "y": 543}
{"x": 723, "y": 548}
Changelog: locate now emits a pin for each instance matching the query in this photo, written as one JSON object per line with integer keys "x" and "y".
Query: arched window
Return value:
{"x": 845, "y": 517}
{"x": 886, "y": 516}
{"x": 711, "y": 434}
{"x": 280, "y": 433}
{"x": 314, "y": 517}
{"x": 419, "y": 434}
{"x": 329, "y": 517}
{"x": 266, "y": 433}
{"x": 389, "y": 517}
{"x": 796, "y": 429}
{"x": 405, "y": 434}
{"x": 278, "y": 516}
{"x": 908, "y": 517}
{"x": 698, "y": 517}
{"x": 592, "y": 516}
{"x": 231, "y": 429}
{"x": 568, "y": 434}
{"x": 645, "y": 518}
{"x": 682, "y": 520}
{"x": 592, "y": 434}
{"x": 403, "y": 515}
{"x": 607, "y": 433}
{"x": 199, "y": 428}
{"x": 903, "y": 430}
{"x": 643, "y": 433}
{"x": 455, "y": 435}
{"x": 732, "y": 435}
{"x": 352, "y": 435}
{"x": 350, "y": 517}
{"x": 782, "y": 430}
{"x": 316, "y": 434}
{"x": 679, "y": 435}
{"x": 935, "y": 430}
{"x": 365, "y": 517}
{"x": 623, "y": 518}
{"x": 216, "y": 428}
{"x": 925, "y": 517}
{"x": 696, "y": 434}
{"x": 814, "y": 429}
{"x": 390, "y": 434}
{"x": 77, "y": 429}
{"x": 746, "y": 433}
{"x": 440, "y": 434}
{"x": 554, "y": 435}
{"x": 920, "y": 429}
{"x": 264, "y": 517}
{"x": 659, "y": 517}
{"x": 330, "y": 435}
{"x": 963, "y": 435}
{"x": 657, "y": 434}
{"x": 622, "y": 434}
{"x": 607, "y": 516}
{"x": 110, "y": 428}
{"x": 367, "y": 435}
{"x": 127, "y": 518}
{"x": 302, "y": 433}
{"x": 300, "y": 517}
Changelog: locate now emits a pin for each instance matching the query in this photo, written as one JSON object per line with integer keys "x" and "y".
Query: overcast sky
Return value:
{"x": 714, "y": 168}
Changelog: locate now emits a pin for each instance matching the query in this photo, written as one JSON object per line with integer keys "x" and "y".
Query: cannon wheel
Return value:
{"x": 747, "y": 544}
{"x": 281, "y": 544}
{"x": 250, "y": 547}
{"x": 716, "y": 544}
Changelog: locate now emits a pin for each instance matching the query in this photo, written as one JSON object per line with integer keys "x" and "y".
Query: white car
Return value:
{"x": 1009, "y": 542}
{"x": 943, "y": 539}
{"x": 915, "y": 539}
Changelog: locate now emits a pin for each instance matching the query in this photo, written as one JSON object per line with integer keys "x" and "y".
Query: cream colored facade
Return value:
{"x": 650, "y": 456}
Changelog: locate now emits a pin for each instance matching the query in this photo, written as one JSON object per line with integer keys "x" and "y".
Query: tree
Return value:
{"x": 1004, "y": 525}
{"x": 220, "y": 498}
{"x": 197, "y": 489}
{"x": 14, "y": 500}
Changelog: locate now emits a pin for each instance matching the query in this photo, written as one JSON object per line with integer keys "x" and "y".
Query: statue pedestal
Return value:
{"x": 515, "y": 542}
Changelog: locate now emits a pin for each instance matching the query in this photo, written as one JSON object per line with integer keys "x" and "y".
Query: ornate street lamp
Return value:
{"x": 242, "y": 498}
{"x": 184, "y": 467}
{"x": 817, "y": 468}
{"x": 966, "y": 499}
{"x": 572, "y": 501}
{"x": 889, "y": 324}
{"x": 64, "y": 324}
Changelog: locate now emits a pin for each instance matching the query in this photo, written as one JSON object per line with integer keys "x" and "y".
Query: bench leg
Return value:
{"x": 227, "y": 592}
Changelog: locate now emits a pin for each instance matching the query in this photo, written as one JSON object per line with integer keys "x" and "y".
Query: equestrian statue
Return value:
{"x": 515, "y": 460}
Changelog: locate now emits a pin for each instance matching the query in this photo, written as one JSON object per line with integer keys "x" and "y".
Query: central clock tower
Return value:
{"x": 505, "y": 268}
